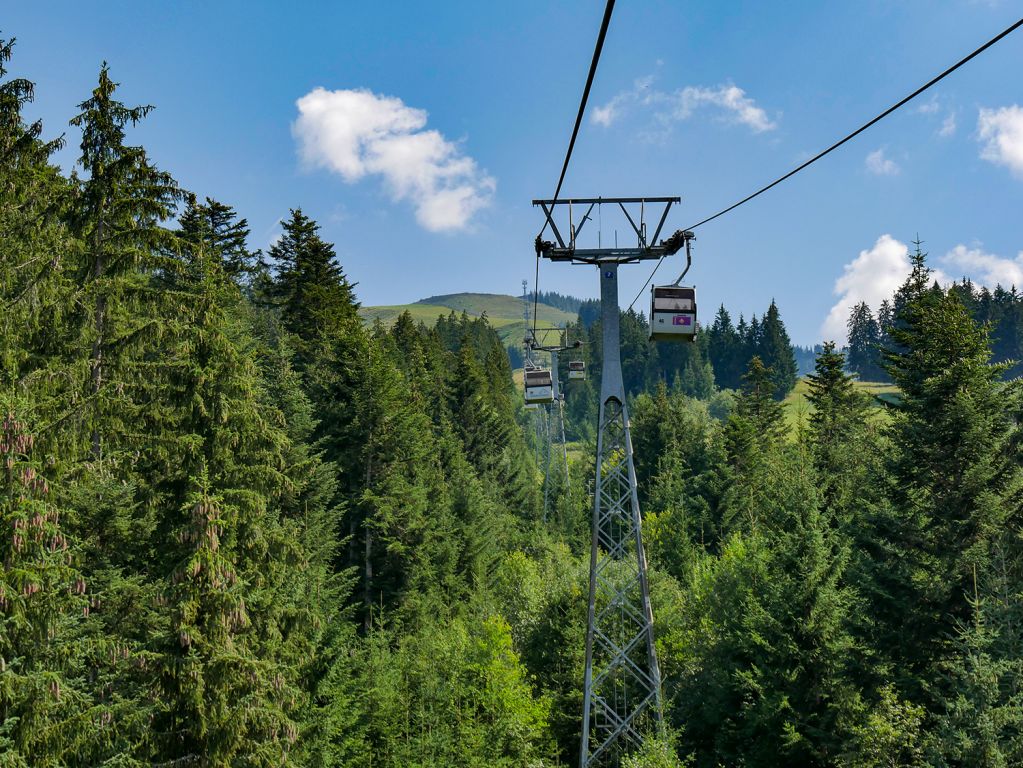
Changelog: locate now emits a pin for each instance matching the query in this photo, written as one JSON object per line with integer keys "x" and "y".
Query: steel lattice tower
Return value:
{"x": 622, "y": 681}
{"x": 555, "y": 434}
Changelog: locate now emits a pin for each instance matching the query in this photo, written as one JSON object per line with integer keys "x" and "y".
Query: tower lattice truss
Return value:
{"x": 622, "y": 676}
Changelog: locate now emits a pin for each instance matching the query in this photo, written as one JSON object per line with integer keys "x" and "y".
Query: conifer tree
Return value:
{"x": 118, "y": 216}
{"x": 217, "y": 228}
{"x": 838, "y": 434}
{"x": 724, "y": 351}
{"x": 773, "y": 683}
{"x": 864, "y": 343}
{"x": 697, "y": 378}
{"x": 979, "y": 720}
{"x": 885, "y": 321}
{"x": 775, "y": 350}
{"x": 752, "y": 435}
{"x": 238, "y": 632}
{"x": 34, "y": 284}
{"x": 41, "y": 598}
{"x": 315, "y": 298}
{"x": 954, "y": 482}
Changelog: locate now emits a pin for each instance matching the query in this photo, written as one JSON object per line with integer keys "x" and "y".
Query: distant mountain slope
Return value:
{"x": 504, "y": 312}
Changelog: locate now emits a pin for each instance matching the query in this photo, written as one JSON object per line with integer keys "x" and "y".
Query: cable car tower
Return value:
{"x": 559, "y": 399}
{"x": 541, "y": 389}
{"x": 622, "y": 681}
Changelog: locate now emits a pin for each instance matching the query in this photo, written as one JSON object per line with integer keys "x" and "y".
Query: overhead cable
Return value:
{"x": 605, "y": 22}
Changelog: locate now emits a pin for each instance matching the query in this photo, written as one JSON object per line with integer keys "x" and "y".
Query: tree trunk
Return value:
{"x": 99, "y": 321}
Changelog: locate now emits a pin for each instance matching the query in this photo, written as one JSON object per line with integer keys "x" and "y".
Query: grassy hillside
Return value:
{"x": 798, "y": 407}
{"x": 504, "y": 312}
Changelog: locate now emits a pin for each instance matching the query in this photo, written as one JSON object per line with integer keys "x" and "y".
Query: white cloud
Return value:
{"x": 357, "y": 133}
{"x": 873, "y": 276}
{"x": 879, "y": 165}
{"x": 929, "y": 107}
{"x": 985, "y": 268}
{"x": 610, "y": 112}
{"x": 1002, "y": 132}
{"x": 948, "y": 126}
{"x": 730, "y": 100}
{"x": 606, "y": 114}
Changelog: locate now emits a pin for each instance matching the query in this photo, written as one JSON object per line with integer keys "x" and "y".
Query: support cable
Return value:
{"x": 837, "y": 144}
{"x": 605, "y": 22}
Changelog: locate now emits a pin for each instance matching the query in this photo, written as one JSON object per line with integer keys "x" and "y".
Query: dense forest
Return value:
{"x": 239, "y": 528}
{"x": 555, "y": 299}
{"x": 999, "y": 310}
{"x": 711, "y": 368}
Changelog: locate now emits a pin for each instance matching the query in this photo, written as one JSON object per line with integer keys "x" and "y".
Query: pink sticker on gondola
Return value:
{"x": 682, "y": 320}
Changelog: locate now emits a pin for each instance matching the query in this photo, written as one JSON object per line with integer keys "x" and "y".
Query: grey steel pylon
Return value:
{"x": 560, "y": 435}
{"x": 622, "y": 680}
{"x": 554, "y": 434}
{"x": 622, "y": 683}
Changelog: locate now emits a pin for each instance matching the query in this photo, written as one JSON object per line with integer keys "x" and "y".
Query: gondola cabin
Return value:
{"x": 672, "y": 313}
{"x": 577, "y": 370}
{"x": 539, "y": 387}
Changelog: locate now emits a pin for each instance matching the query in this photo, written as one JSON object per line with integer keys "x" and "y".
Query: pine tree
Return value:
{"x": 217, "y": 228}
{"x": 236, "y": 629}
{"x": 864, "y": 343}
{"x": 315, "y": 298}
{"x": 775, "y": 349}
{"x": 724, "y": 351}
{"x": 838, "y": 434}
{"x": 954, "y": 482}
{"x": 41, "y": 600}
{"x": 118, "y": 217}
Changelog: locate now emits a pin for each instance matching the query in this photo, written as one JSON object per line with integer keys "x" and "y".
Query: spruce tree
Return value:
{"x": 697, "y": 379}
{"x": 41, "y": 600}
{"x": 217, "y": 228}
{"x": 228, "y": 689}
{"x": 839, "y": 434}
{"x": 724, "y": 351}
{"x": 752, "y": 435}
{"x": 771, "y": 682}
{"x": 775, "y": 350}
{"x": 864, "y": 343}
{"x": 118, "y": 215}
{"x": 316, "y": 300}
{"x": 955, "y": 485}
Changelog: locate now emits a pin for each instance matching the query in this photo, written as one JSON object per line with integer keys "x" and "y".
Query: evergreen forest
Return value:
{"x": 240, "y": 528}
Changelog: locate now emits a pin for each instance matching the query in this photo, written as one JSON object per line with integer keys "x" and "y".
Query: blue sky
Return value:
{"x": 435, "y": 124}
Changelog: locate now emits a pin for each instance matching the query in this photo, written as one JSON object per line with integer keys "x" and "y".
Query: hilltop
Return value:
{"x": 504, "y": 312}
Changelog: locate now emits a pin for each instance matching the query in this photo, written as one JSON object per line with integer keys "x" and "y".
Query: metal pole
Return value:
{"x": 564, "y": 448}
{"x": 622, "y": 681}
{"x": 561, "y": 418}
{"x": 546, "y": 461}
